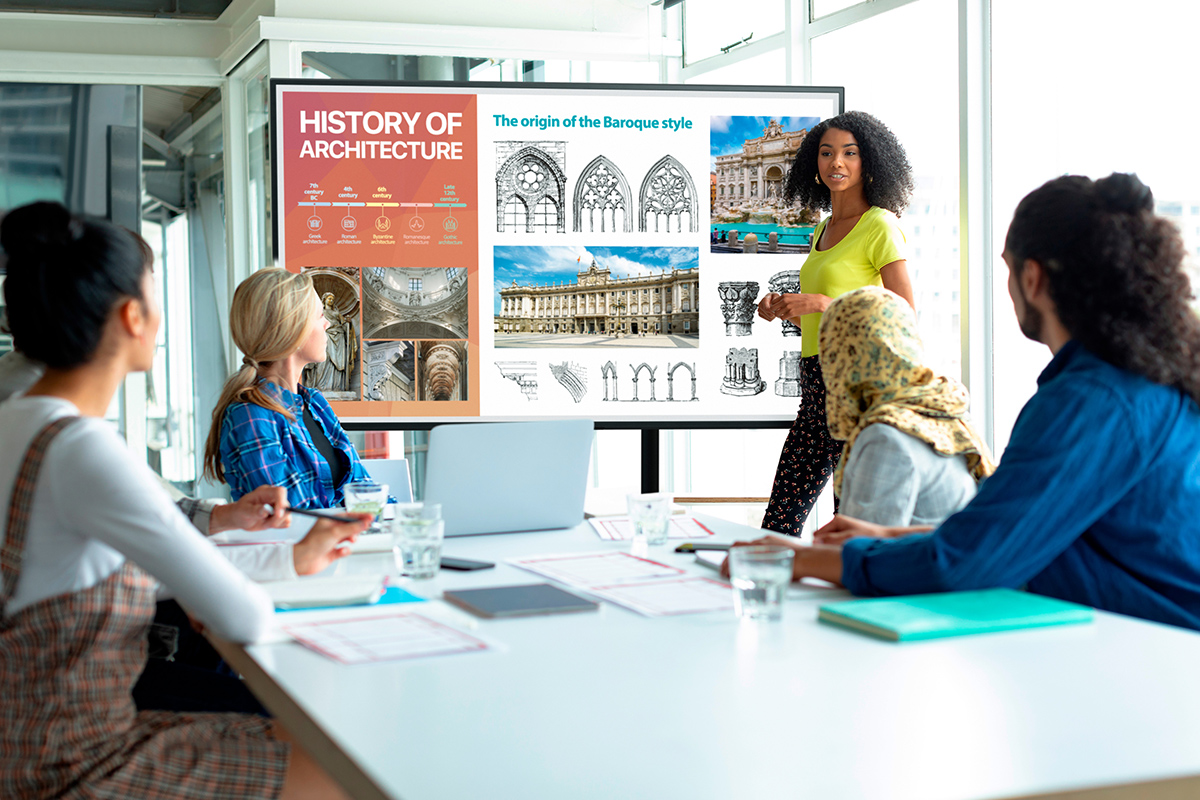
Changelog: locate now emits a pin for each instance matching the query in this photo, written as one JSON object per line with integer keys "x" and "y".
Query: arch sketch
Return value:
{"x": 609, "y": 370}
{"x": 667, "y": 192}
{"x": 602, "y": 187}
{"x": 637, "y": 371}
{"x": 691, "y": 368}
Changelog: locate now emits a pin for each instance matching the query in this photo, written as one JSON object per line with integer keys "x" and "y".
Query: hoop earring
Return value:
{"x": 817, "y": 179}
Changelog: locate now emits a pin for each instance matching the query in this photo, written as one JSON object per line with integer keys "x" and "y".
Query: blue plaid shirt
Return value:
{"x": 263, "y": 447}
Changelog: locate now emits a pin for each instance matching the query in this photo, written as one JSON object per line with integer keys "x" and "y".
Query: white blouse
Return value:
{"x": 95, "y": 505}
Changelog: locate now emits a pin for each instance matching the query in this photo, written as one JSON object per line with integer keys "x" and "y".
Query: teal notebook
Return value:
{"x": 932, "y": 616}
{"x": 392, "y": 594}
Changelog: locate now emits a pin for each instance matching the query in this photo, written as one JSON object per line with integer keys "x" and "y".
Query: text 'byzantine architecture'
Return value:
{"x": 663, "y": 303}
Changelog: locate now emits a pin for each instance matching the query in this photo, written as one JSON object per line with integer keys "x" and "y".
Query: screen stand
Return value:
{"x": 650, "y": 463}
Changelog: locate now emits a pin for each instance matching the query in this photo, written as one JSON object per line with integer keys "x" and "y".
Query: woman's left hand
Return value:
{"x": 793, "y": 306}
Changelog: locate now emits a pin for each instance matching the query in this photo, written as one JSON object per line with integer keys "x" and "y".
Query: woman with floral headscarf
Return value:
{"x": 911, "y": 455}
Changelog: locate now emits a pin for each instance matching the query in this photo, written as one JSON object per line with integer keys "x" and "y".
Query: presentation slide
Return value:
{"x": 507, "y": 252}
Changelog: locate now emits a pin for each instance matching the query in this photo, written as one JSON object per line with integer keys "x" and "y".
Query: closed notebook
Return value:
{"x": 932, "y": 616}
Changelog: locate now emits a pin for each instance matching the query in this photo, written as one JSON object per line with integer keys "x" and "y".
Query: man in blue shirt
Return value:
{"x": 1097, "y": 496}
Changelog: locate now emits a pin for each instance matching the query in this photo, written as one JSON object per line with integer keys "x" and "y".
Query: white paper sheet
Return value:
{"x": 392, "y": 637}
{"x": 596, "y": 569}
{"x": 615, "y": 529}
{"x": 670, "y": 597}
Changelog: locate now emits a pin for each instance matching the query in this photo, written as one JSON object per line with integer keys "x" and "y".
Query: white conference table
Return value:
{"x": 617, "y": 705}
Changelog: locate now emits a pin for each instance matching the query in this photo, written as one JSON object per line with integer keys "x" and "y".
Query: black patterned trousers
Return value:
{"x": 808, "y": 458}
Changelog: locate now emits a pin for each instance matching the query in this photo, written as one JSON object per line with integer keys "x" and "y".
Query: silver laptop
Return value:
{"x": 500, "y": 477}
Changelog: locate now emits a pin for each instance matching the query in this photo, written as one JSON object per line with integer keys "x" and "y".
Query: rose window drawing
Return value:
{"x": 531, "y": 176}
{"x": 667, "y": 196}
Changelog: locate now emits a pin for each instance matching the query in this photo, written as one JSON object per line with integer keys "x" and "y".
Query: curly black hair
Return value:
{"x": 1115, "y": 274}
{"x": 886, "y": 171}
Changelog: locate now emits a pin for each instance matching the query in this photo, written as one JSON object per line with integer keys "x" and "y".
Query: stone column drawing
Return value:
{"x": 741, "y": 373}
{"x": 737, "y": 304}
{"x": 572, "y": 376}
{"x": 788, "y": 384}
{"x": 787, "y": 282}
{"x": 523, "y": 373}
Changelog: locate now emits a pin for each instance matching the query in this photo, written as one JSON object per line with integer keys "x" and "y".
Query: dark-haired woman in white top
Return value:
{"x": 86, "y": 534}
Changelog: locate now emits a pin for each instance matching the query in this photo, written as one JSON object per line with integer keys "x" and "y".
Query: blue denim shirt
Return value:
{"x": 1096, "y": 500}
{"x": 263, "y": 447}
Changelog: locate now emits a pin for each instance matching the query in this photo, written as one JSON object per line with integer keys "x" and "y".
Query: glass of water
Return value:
{"x": 366, "y": 497}
{"x": 760, "y": 575}
{"x": 651, "y": 516}
{"x": 417, "y": 531}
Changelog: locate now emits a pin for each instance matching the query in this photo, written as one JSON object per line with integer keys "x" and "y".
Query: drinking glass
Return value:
{"x": 650, "y": 515}
{"x": 366, "y": 497}
{"x": 417, "y": 530}
{"x": 760, "y": 575}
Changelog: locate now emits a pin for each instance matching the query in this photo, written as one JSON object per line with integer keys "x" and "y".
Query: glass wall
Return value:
{"x": 1111, "y": 97}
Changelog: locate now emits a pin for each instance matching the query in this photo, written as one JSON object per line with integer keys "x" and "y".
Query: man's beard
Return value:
{"x": 1031, "y": 321}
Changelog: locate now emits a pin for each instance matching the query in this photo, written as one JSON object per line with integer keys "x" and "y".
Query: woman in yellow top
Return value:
{"x": 854, "y": 167}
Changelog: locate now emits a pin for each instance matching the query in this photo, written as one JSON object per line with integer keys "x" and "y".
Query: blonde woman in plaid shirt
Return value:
{"x": 87, "y": 532}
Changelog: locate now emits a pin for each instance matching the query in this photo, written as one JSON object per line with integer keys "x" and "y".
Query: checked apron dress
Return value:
{"x": 68, "y": 726}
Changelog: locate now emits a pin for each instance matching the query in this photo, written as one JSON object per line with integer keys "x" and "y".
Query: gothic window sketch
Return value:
{"x": 602, "y": 199}
{"x": 667, "y": 196}
{"x": 572, "y": 376}
{"x": 531, "y": 187}
{"x": 522, "y": 373}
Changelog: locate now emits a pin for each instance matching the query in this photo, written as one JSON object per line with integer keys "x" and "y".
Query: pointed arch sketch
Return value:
{"x": 667, "y": 191}
{"x": 691, "y": 368}
{"x": 602, "y": 187}
{"x": 532, "y": 177}
{"x": 636, "y": 372}
{"x": 609, "y": 370}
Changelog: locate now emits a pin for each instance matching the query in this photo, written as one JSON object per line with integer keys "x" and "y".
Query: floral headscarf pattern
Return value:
{"x": 873, "y": 364}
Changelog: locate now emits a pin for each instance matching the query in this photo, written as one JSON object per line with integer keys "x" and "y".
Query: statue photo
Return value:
{"x": 341, "y": 346}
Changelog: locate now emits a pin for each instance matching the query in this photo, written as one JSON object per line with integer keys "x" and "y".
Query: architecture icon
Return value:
{"x": 741, "y": 373}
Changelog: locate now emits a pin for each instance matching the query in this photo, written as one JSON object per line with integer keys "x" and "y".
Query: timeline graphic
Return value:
{"x": 416, "y": 216}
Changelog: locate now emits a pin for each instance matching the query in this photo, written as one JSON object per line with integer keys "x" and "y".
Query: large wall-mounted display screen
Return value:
{"x": 501, "y": 251}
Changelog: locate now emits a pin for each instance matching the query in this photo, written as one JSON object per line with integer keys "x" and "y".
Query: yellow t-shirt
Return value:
{"x": 874, "y": 242}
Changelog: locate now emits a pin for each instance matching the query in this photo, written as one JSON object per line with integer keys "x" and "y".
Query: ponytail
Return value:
{"x": 269, "y": 319}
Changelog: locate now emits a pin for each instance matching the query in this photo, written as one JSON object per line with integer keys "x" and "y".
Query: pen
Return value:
{"x": 692, "y": 547}
{"x": 306, "y": 513}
